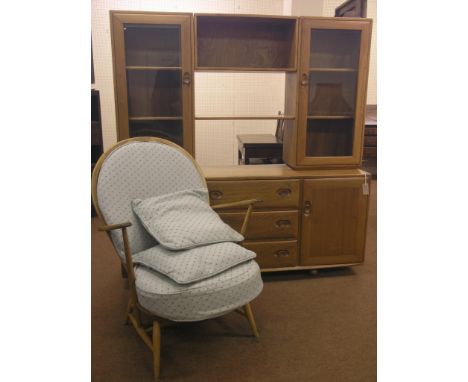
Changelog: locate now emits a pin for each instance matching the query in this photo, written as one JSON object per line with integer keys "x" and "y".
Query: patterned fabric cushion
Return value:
{"x": 183, "y": 220}
{"x": 141, "y": 170}
{"x": 194, "y": 264}
{"x": 201, "y": 300}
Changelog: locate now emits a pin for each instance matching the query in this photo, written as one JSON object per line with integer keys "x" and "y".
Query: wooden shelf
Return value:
{"x": 339, "y": 70}
{"x": 330, "y": 116}
{"x": 153, "y": 68}
{"x": 245, "y": 117}
{"x": 155, "y": 118}
{"x": 245, "y": 42}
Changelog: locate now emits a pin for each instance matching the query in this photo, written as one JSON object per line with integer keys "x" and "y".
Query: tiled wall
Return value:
{"x": 215, "y": 93}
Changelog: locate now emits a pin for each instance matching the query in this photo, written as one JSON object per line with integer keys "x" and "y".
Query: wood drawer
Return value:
{"x": 265, "y": 225}
{"x": 274, "y": 254}
{"x": 370, "y": 140}
{"x": 273, "y": 193}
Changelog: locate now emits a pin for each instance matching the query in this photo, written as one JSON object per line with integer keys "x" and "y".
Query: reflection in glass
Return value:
{"x": 154, "y": 93}
{"x": 333, "y": 48}
{"x": 152, "y": 45}
{"x": 170, "y": 130}
{"x": 329, "y": 137}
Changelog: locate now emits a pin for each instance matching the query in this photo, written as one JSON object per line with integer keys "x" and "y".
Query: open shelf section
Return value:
{"x": 238, "y": 43}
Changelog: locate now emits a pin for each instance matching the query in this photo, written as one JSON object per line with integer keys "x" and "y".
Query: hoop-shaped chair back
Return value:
{"x": 139, "y": 168}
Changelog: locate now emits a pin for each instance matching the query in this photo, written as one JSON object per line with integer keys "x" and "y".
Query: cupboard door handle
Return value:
{"x": 216, "y": 195}
{"x": 307, "y": 208}
{"x": 283, "y": 223}
{"x": 283, "y": 192}
{"x": 282, "y": 253}
{"x": 187, "y": 78}
{"x": 304, "y": 79}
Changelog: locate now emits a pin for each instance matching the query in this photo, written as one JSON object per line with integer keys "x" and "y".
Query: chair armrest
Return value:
{"x": 112, "y": 227}
{"x": 241, "y": 203}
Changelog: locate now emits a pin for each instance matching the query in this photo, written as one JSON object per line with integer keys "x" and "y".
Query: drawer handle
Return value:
{"x": 283, "y": 223}
{"x": 282, "y": 253}
{"x": 283, "y": 192}
{"x": 216, "y": 195}
{"x": 307, "y": 208}
{"x": 186, "y": 79}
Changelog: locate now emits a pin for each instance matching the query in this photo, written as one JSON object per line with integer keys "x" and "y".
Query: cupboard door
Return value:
{"x": 333, "y": 81}
{"x": 334, "y": 221}
{"x": 153, "y": 76}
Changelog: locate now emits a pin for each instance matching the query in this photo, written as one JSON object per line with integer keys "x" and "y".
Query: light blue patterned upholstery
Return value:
{"x": 205, "y": 299}
{"x": 140, "y": 170}
{"x": 194, "y": 264}
{"x": 183, "y": 220}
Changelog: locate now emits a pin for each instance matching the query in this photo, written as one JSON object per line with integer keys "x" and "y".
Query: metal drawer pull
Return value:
{"x": 282, "y": 253}
{"x": 283, "y": 223}
{"x": 307, "y": 208}
{"x": 283, "y": 192}
{"x": 216, "y": 195}
{"x": 186, "y": 79}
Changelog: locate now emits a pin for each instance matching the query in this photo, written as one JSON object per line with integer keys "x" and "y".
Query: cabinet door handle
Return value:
{"x": 282, "y": 253}
{"x": 283, "y": 223}
{"x": 304, "y": 79}
{"x": 307, "y": 208}
{"x": 216, "y": 194}
{"x": 283, "y": 192}
{"x": 187, "y": 78}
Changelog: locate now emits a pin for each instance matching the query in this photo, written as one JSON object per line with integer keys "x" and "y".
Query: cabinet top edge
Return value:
{"x": 287, "y": 17}
{"x": 124, "y": 12}
{"x": 274, "y": 171}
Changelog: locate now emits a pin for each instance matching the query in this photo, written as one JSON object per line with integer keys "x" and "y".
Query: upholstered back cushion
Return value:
{"x": 139, "y": 170}
{"x": 183, "y": 220}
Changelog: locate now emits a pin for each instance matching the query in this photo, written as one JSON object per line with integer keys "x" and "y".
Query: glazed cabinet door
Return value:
{"x": 153, "y": 76}
{"x": 332, "y": 91}
{"x": 334, "y": 218}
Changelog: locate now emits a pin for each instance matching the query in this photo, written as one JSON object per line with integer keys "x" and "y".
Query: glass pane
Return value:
{"x": 329, "y": 137}
{"x": 332, "y": 93}
{"x": 152, "y": 45}
{"x": 154, "y": 93}
{"x": 333, "y": 48}
{"x": 333, "y": 74}
{"x": 170, "y": 130}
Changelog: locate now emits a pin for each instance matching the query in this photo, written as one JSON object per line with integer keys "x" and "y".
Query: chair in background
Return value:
{"x": 144, "y": 167}
{"x": 262, "y": 148}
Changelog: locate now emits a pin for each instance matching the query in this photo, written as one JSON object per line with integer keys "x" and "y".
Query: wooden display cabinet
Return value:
{"x": 331, "y": 82}
{"x": 153, "y": 76}
{"x": 306, "y": 218}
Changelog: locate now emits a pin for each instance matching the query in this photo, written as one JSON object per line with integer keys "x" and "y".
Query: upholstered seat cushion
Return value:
{"x": 194, "y": 264}
{"x": 183, "y": 219}
{"x": 201, "y": 300}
